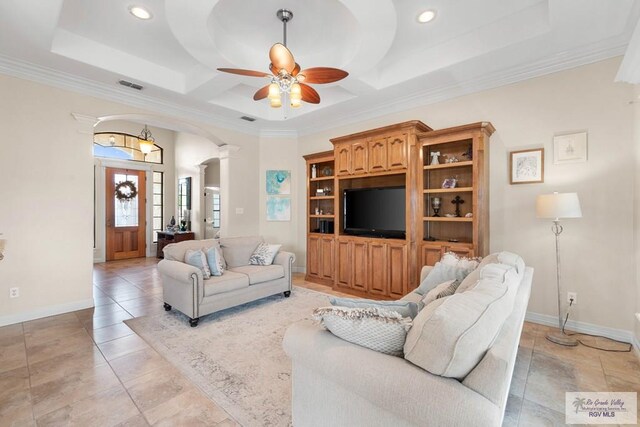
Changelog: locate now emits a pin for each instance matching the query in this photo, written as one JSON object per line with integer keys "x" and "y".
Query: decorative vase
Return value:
{"x": 172, "y": 223}
{"x": 314, "y": 172}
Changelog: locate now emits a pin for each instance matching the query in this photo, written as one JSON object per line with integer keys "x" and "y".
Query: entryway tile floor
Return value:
{"x": 88, "y": 368}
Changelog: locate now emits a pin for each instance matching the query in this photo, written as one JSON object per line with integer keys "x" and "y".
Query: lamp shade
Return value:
{"x": 145, "y": 146}
{"x": 558, "y": 205}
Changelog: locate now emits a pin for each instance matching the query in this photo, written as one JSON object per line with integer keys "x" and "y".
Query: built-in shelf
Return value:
{"x": 321, "y": 216}
{"x": 447, "y": 219}
{"x": 322, "y": 178}
{"x": 449, "y": 243}
{"x": 449, "y": 165}
{"x": 448, "y": 190}
{"x": 321, "y": 198}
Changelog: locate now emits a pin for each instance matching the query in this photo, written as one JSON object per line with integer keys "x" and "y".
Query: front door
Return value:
{"x": 126, "y": 213}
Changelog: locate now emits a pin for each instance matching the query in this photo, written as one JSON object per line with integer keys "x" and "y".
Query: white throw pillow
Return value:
{"x": 264, "y": 254}
{"x": 197, "y": 258}
{"x": 380, "y": 330}
{"x": 450, "y": 336}
{"x": 455, "y": 260}
{"x": 442, "y": 290}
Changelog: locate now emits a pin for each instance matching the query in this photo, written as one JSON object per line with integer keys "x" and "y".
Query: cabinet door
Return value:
{"x": 431, "y": 254}
{"x": 378, "y": 155}
{"x": 398, "y": 270}
{"x": 326, "y": 247}
{"x": 314, "y": 256}
{"x": 343, "y": 159}
{"x": 378, "y": 277}
{"x": 397, "y": 149}
{"x": 359, "y": 153}
{"x": 344, "y": 264}
{"x": 359, "y": 251}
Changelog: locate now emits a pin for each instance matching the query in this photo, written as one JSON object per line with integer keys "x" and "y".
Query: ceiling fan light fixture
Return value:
{"x": 296, "y": 103}
{"x": 275, "y": 102}
{"x": 426, "y": 16}
{"x": 140, "y": 12}
{"x": 295, "y": 91}
{"x": 274, "y": 91}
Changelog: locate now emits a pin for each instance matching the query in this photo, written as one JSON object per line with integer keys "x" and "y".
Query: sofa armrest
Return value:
{"x": 182, "y": 286}
{"x": 179, "y": 271}
{"x": 388, "y": 382}
{"x": 425, "y": 272}
{"x": 286, "y": 260}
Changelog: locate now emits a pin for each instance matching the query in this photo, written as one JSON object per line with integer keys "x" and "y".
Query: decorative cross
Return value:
{"x": 457, "y": 201}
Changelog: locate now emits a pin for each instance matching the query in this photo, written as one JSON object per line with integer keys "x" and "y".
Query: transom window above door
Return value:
{"x": 123, "y": 146}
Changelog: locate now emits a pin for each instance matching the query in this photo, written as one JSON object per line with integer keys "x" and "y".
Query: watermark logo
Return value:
{"x": 601, "y": 408}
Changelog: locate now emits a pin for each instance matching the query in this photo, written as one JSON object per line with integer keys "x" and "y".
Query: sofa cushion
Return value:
{"x": 264, "y": 254}
{"x": 451, "y": 335}
{"x": 197, "y": 258}
{"x": 238, "y": 250}
{"x": 176, "y": 251}
{"x": 444, "y": 289}
{"x": 260, "y": 273}
{"x": 375, "y": 328}
{"x": 229, "y": 281}
{"x": 215, "y": 260}
{"x": 414, "y": 297}
{"x": 441, "y": 273}
{"x": 472, "y": 279}
{"x": 404, "y": 308}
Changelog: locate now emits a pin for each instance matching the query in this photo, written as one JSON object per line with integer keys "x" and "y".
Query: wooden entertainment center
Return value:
{"x": 399, "y": 155}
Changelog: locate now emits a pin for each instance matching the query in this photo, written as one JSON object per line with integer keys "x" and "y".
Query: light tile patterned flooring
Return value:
{"x": 88, "y": 368}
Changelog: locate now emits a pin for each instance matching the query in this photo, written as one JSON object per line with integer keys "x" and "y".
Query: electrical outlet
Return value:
{"x": 14, "y": 292}
{"x": 572, "y": 296}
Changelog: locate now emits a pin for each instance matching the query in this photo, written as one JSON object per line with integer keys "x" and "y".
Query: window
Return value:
{"x": 122, "y": 146}
{"x": 158, "y": 204}
{"x": 216, "y": 210}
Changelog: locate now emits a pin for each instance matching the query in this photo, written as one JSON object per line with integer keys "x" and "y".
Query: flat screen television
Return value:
{"x": 375, "y": 212}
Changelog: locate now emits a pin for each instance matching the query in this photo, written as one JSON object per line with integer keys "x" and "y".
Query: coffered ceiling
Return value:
{"x": 393, "y": 61}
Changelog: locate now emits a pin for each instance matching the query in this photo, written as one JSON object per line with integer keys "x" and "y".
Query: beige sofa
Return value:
{"x": 337, "y": 383}
{"x": 185, "y": 289}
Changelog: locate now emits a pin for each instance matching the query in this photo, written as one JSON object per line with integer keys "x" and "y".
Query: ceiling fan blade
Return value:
{"x": 321, "y": 75}
{"x": 309, "y": 94}
{"x": 249, "y": 73}
{"x": 262, "y": 93}
{"x": 281, "y": 57}
{"x": 273, "y": 70}
{"x": 296, "y": 70}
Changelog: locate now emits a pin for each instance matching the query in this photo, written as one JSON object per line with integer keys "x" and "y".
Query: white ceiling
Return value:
{"x": 393, "y": 61}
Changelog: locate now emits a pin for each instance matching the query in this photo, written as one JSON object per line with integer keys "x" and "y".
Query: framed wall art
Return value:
{"x": 570, "y": 148}
{"x": 527, "y": 166}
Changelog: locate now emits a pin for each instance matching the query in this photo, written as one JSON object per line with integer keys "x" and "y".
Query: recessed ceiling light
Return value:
{"x": 140, "y": 12}
{"x": 426, "y": 16}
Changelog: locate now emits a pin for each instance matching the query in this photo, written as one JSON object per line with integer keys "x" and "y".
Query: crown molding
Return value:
{"x": 39, "y": 74}
{"x": 502, "y": 78}
{"x": 278, "y": 133}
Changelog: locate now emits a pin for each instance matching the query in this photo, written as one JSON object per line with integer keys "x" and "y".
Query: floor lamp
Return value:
{"x": 559, "y": 206}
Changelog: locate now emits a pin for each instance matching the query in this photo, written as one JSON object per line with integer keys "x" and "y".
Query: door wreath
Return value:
{"x": 126, "y": 191}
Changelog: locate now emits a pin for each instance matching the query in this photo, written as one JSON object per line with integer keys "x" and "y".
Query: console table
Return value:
{"x": 166, "y": 237}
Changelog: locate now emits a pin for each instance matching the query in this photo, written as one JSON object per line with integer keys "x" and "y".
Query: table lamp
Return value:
{"x": 559, "y": 206}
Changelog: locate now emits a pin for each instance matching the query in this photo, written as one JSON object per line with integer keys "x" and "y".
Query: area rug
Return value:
{"x": 235, "y": 356}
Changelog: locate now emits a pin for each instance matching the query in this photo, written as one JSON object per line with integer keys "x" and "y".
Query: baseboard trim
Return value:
{"x": 299, "y": 269}
{"x": 587, "y": 328}
{"x": 45, "y": 312}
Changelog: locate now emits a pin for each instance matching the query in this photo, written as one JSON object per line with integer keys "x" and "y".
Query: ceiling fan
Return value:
{"x": 286, "y": 75}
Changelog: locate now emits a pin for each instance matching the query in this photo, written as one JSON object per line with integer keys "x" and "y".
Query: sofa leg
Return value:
{"x": 194, "y": 322}
{"x": 167, "y": 307}
{"x": 287, "y": 294}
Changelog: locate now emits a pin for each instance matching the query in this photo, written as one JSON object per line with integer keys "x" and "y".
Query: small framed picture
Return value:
{"x": 449, "y": 183}
{"x": 527, "y": 166}
{"x": 570, "y": 148}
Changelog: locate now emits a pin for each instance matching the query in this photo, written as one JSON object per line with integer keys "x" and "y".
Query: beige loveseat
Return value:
{"x": 185, "y": 289}
{"x": 337, "y": 383}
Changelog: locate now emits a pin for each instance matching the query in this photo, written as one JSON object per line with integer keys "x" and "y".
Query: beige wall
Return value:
{"x": 281, "y": 153}
{"x": 636, "y": 198}
{"x": 597, "y": 250}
